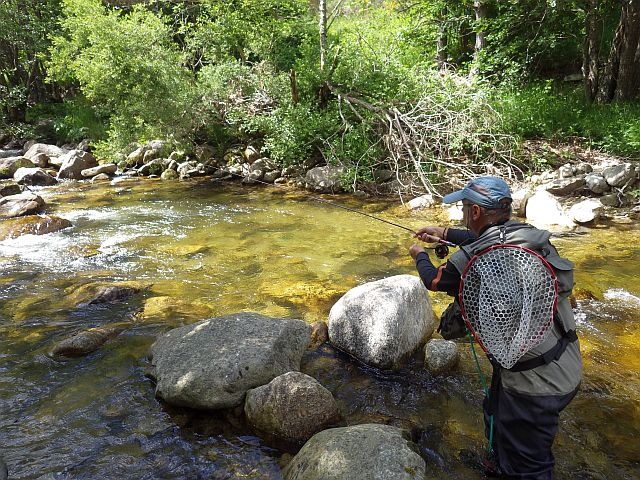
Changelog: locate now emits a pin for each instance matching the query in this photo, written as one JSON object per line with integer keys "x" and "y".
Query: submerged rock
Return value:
{"x": 384, "y": 321}
{"x": 213, "y": 363}
{"x": 112, "y": 293}
{"x": 95, "y": 292}
{"x": 85, "y": 342}
{"x": 31, "y": 225}
{"x": 363, "y": 452}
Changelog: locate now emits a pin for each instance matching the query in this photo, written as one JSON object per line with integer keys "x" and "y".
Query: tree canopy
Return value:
{"x": 422, "y": 86}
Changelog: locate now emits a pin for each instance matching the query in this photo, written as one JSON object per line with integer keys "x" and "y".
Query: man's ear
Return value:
{"x": 476, "y": 211}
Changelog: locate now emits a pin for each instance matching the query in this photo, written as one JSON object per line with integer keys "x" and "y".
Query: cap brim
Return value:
{"x": 454, "y": 197}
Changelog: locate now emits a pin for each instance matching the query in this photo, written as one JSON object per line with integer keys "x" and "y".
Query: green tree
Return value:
{"x": 25, "y": 26}
{"x": 127, "y": 65}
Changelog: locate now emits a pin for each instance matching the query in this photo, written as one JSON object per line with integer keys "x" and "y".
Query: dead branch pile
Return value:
{"x": 443, "y": 137}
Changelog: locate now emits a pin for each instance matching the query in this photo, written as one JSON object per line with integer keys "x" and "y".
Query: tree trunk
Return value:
{"x": 629, "y": 71}
{"x": 323, "y": 33}
{"x": 441, "y": 46}
{"x": 481, "y": 10}
{"x": 591, "y": 53}
{"x": 621, "y": 79}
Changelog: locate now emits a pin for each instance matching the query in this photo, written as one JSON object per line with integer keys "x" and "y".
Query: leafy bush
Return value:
{"x": 544, "y": 110}
{"x": 128, "y": 68}
{"x": 70, "y": 121}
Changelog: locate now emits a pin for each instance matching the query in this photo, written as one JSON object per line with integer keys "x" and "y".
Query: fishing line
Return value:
{"x": 441, "y": 250}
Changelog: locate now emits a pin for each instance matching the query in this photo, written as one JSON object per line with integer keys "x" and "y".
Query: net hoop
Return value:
{"x": 508, "y": 297}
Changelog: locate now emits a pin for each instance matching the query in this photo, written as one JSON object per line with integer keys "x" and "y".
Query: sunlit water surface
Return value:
{"x": 202, "y": 249}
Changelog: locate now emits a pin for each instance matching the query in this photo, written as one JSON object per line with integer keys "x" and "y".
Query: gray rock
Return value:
{"x": 107, "y": 168}
{"x": 324, "y": 179}
{"x": 40, "y": 160}
{"x": 21, "y": 204}
{"x": 441, "y": 355}
{"x": 586, "y": 211}
{"x": 50, "y": 151}
{"x": 251, "y": 154}
{"x": 382, "y": 322}
{"x": 596, "y": 183}
{"x": 212, "y": 364}
{"x": 293, "y": 407}
{"x": 425, "y": 201}
{"x": 565, "y": 186}
{"x": 271, "y": 176}
{"x": 101, "y": 177}
{"x": 583, "y": 168}
{"x": 566, "y": 171}
{"x": 9, "y": 166}
{"x": 33, "y": 176}
{"x": 74, "y": 162}
{"x": 543, "y": 210}
{"x": 619, "y": 175}
{"x": 11, "y": 189}
{"x": 362, "y": 452}
{"x": 135, "y": 158}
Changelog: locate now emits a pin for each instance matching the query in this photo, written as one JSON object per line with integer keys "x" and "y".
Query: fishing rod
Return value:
{"x": 441, "y": 250}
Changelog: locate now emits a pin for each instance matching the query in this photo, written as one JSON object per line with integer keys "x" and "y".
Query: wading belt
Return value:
{"x": 553, "y": 353}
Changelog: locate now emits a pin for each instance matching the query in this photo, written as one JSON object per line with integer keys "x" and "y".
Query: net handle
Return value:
{"x": 546, "y": 264}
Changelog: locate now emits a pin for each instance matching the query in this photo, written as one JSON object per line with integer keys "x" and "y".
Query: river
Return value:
{"x": 203, "y": 249}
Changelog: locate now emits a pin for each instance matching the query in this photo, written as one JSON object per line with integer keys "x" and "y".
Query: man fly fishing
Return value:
{"x": 513, "y": 292}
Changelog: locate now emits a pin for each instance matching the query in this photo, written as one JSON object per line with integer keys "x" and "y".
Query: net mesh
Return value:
{"x": 508, "y": 296}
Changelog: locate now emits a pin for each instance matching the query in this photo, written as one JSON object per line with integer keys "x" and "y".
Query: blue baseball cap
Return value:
{"x": 487, "y": 192}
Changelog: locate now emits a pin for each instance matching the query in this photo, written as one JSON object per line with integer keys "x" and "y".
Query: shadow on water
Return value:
{"x": 201, "y": 250}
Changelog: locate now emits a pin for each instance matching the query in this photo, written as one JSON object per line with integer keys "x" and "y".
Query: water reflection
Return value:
{"x": 201, "y": 249}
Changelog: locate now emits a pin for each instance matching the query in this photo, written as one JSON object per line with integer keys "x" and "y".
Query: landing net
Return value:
{"x": 508, "y": 296}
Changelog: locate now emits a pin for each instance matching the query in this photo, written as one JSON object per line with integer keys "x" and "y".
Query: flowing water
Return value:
{"x": 202, "y": 249}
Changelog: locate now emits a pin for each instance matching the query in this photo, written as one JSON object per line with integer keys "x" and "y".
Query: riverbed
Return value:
{"x": 200, "y": 249}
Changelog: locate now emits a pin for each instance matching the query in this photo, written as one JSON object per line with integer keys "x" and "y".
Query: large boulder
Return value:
{"x": 382, "y": 322}
{"x": 544, "y": 209}
{"x": 74, "y": 162}
{"x": 619, "y": 175}
{"x": 51, "y": 151}
{"x": 292, "y": 407}
{"x": 213, "y": 363}
{"x": 22, "y": 204}
{"x": 9, "y": 166}
{"x": 362, "y": 452}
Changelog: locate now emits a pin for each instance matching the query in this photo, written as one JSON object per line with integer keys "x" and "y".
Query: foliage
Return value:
{"x": 543, "y": 110}
{"x": 23, "y": 41}
{"x": 128, "y": 68}
{"x": 250, "y": 31}
{"x": 532, "y": 38}
{"x": 69, "y": 121}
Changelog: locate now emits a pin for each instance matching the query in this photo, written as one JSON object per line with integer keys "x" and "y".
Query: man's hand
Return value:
{"x": 415, "y": 249}
{"x": 430, "y": 234}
